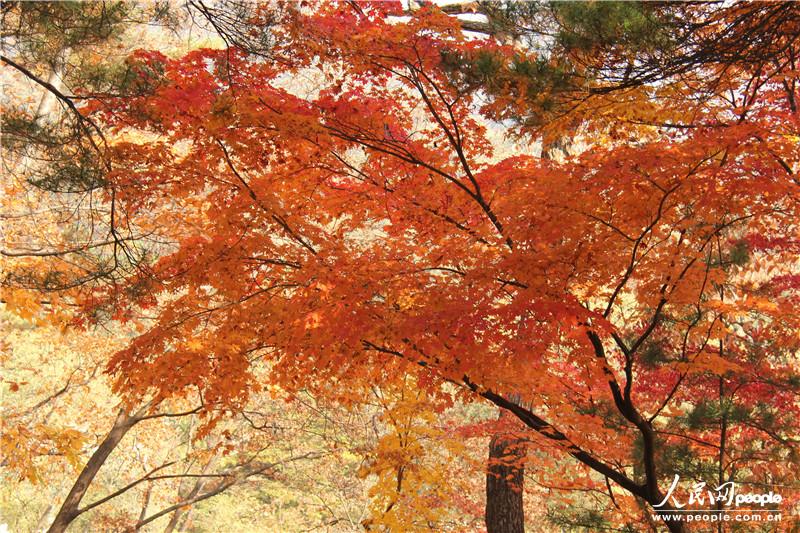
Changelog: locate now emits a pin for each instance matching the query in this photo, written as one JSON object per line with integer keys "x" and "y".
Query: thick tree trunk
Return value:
{"x": 504, "y": 485}
{"x": 69, "y": 509}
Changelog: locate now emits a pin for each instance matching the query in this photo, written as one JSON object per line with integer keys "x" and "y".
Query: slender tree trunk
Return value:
{"x": 145, "y": 503}
{"x": 186, "y": 519}
{"x": 183, "y": 512}
{"x": 504, "y": 484}
{"x": 69, "y": 509}
{"x": 41, "y": 525}
{"x": 48, "y": 101}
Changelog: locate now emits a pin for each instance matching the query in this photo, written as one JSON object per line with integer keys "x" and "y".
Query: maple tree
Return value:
{"x": 167, "y": 471}
{"x": 632, "y": 306}
{"x": 53, "y": 437}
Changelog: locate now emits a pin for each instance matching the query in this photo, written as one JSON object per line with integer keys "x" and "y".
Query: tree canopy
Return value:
{"x": 361, "y": 193}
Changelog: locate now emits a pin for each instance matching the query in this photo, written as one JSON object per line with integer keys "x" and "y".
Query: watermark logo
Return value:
{"x": 726, "y": 493}
{"x": 723, "y": 503}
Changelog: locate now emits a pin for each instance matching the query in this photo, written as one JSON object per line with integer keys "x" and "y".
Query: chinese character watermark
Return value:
{"x": 726, "y": 494}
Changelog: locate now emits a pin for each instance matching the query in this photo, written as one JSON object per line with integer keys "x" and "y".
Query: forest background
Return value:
{"x": 319, "y": 266}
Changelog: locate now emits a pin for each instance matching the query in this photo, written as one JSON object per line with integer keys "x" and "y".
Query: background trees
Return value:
{"x": 631, "y": 305}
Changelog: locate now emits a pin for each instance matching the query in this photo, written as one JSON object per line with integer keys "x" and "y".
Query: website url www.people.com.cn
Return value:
{"x": 713, "y": 516}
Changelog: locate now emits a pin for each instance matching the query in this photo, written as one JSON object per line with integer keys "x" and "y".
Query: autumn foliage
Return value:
{"x": 355, "y": 208}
